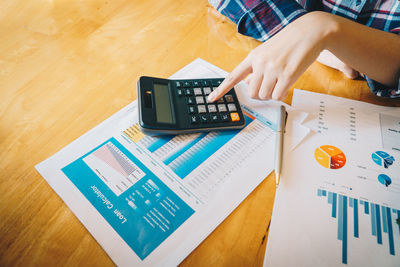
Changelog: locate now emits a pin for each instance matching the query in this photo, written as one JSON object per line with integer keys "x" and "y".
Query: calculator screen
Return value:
{"x": 163, "y": 103}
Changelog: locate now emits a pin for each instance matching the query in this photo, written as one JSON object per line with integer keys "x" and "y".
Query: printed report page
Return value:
{"x": 152, "y": 200}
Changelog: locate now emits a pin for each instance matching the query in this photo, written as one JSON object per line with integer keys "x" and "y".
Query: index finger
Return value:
{"x": 238, "y": 74}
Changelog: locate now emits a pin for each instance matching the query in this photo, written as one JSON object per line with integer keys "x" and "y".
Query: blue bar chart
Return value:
{"x": 159, "y": 142}
{"x": 185, "y": 153}
{"x": 382, "y": 218}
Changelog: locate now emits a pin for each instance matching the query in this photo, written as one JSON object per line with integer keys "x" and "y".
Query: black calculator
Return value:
{"x": 181, "y": 106}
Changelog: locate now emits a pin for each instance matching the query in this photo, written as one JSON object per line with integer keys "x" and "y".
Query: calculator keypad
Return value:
{"x": 229, "y": 99}
{"x": 232, "y": 107}
{"x": 188, "y": 91}
{"x": 212, "y": 108}
{"x": 194, "y": 119}
{"x": 197, "y": 91}
{"x": 207, "y": 90}
{"x": 202, "y": 108}
{"x": 222, "y": 107}
{"x": 200, "y": 111}
{"x": 235, "y": 116}
{"x": 190, "y": 100}
{"x": 199, "y": 100}
{"x": 192, "y": 109}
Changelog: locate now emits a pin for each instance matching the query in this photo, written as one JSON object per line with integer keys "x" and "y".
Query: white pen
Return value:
{"x": 280, "y": 131}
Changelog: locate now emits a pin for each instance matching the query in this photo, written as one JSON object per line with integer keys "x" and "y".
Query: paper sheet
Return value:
{"x": 150, "y": 201}
{"x": 339, "y": 196}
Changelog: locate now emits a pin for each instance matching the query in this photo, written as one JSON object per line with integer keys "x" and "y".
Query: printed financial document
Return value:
{"x": 338, "y": 202}
{"x": 152, "y": 200}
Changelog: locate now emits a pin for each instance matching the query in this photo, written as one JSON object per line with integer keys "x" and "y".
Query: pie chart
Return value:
{"x": 384, "y": 179}
{"x": 382, "y": 158}
{"x": 330, "y": 157}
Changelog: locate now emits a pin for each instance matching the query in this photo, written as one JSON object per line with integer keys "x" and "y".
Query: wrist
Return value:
{"x": 331, "y": 30}
{"x": 325, "y": 28}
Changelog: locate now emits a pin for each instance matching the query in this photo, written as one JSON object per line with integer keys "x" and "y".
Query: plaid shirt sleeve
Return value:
{"x": 382, "y": 90}
{"x": 259, "y": 19}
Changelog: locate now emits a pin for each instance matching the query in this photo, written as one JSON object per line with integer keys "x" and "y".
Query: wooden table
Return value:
{"x": 65, "y": 66}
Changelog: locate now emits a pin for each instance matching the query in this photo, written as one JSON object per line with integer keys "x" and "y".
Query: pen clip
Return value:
{"x": 284, "y": 125}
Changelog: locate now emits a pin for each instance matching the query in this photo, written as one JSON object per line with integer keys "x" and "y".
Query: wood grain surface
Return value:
{"x": 65, "y": 66}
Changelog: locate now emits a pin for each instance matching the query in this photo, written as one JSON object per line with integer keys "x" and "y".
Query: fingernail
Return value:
{"x": 211, "y": 97}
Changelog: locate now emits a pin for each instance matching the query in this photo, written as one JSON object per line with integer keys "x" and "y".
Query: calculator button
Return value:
{"x": 187, "y": 84}
{"x": 229, "y": 98}
{"x": 214, "y": 117}
{"x": 232, "y": 107}
{"x": 225, "y": 117}
{"x": 190, "y": 100}
{"x": 206, "y": 83}
{"x": 204, "y": 118}
{"x": 235, "y": 116}
{"x": 178, "y": 84}
{"x": 202, "y": 109}
{"x": 188, "y": 91}
{"x": 212, "y": 108}
{"x": 196, "y": 83}
{"x": 207, "y": 90}
{"x": 221, "y": 107}
{"x": 192, "y": 109}
{"x": 221, "y": 100}
{"x": 216, "y": 83}
{"x": 179, "y": 92}
{"x": 197, "y": 91}
{"x": 199, "y": 100}
{"x": 194, "y": 119}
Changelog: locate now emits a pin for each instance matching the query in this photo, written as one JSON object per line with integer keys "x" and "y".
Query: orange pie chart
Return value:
{"x": 330, "y": 157}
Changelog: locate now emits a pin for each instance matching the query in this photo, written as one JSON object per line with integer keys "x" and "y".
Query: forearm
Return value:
{"x": 277, "y": 63}
{"x": 372, "y": 52}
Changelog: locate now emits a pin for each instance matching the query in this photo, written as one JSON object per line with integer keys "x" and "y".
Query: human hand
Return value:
{"x": 330, "y": 60}
{"x": 276, "y": 64}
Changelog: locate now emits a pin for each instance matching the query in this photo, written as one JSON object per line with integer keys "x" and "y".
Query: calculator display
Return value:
{"x": 163, "y": 103}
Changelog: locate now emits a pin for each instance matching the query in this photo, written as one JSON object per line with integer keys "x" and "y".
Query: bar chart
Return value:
{"x": 203, "y": 162}
{"x": 383, "y": 220}
{"x": 184, "y": 153}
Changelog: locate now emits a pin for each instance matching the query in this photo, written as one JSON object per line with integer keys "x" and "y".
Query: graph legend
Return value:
{"x": 330, "y": 157}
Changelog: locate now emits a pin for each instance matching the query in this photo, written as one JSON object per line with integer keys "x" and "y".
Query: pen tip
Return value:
{"x": 277, "y": 178}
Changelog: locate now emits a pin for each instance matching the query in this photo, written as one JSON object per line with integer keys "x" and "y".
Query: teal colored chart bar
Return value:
{"x": 160, "y": 141}
{"x": 384, "y": 221}
{"x": 184, "y": 149}
{"x": 334, "y": 197}
{"x": 330, "y": 197}
{"x": 340, "y": 218}
{"x": 355, "y": 213}
{"x": 390, "y": 231}
{"x": 373, "y": 220}
{"x": 378, "y": 224}
{"x": 342, "y": 226}
{"x": 366, "y": 207}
